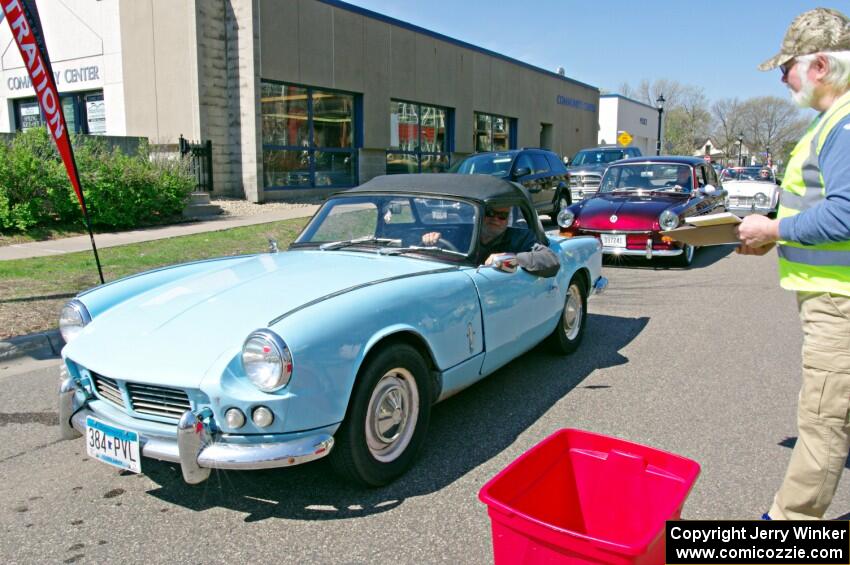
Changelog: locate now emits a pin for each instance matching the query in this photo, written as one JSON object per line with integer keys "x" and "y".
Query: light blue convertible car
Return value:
{"x": 337, "y": 347}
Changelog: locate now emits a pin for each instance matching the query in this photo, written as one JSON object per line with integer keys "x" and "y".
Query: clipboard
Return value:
{"x": 711, "y": 229}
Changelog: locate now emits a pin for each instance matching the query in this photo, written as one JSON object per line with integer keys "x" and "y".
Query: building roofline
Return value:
{"x": 629, "y": 99}
{"x": 400, "y": 23}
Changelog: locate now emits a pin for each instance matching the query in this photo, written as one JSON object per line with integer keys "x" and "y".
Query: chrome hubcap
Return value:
{"x": 563, "y": 204}
{"x": 392, "y": 414}
{"x": 689, "y": 253}
{"x": 573, "y": 312}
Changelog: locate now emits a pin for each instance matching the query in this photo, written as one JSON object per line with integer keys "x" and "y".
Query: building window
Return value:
{"x": 85, "y": 112}
{"x": 309, "y": 137}
{"x": 419, "y": 138}
{"x": 494, "y": 133}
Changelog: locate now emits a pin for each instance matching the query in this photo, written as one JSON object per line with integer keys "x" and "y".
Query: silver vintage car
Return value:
{"x": 752, "y": 190}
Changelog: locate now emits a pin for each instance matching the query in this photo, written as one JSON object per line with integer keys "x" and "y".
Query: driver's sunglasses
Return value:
{"x": 495, "y": 214}
{"x": 785, "y": 68}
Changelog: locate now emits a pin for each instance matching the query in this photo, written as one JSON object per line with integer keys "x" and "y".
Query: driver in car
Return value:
{"x": 496, "y": 237}
{"x": 683, "y": 179}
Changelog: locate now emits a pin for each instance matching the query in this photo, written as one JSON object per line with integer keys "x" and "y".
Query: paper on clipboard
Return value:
{"x": 711, "y": 229}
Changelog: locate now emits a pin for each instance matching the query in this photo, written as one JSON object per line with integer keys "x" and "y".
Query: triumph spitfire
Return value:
{"x": 337, "y": 347}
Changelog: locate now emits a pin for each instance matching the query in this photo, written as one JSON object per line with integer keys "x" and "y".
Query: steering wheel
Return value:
{"x": 446, "y": 244}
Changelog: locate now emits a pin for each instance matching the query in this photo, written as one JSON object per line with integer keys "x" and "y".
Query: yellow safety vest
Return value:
{"x": 812, "y": 268}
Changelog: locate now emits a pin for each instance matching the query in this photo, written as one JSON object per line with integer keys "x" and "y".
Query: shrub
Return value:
{"x": 121, "y": 191}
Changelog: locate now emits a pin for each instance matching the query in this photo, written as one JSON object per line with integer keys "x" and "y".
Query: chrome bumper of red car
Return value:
{"x": 649, "y": 253}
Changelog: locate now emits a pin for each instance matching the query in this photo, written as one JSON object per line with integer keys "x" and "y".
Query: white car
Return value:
{"x": 752, "y": 190}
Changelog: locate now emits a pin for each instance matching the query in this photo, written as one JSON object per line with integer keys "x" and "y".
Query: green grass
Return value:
{"x": 32, "y": 291}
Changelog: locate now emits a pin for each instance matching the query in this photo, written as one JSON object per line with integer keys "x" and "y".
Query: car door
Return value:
{"x": 517, "y": 308}
{"x": 544, "y": 192}
{"x": 528, "y": 180}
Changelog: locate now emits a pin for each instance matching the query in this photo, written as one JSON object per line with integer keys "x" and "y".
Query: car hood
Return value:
{"x": 632, "y": 212}
{"x": 749, "y": 187}
{"x": 172, "y": 335}
{"x": 587, "y": 169}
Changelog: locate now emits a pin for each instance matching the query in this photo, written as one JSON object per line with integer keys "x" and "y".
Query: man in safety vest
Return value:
{"x": 813, "y": 234}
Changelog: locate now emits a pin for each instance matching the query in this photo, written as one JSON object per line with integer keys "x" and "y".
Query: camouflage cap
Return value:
{"x": 814, "y": 31}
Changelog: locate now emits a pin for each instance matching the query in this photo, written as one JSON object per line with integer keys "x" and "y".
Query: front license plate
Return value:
{"x": 611, "y": 240}
{"x": 113, "y": 445}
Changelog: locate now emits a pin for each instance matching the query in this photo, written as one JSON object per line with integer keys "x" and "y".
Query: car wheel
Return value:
{"x": 570, "y": 329}
{"x": 687, "y": 257}
{"x": 561, "y": 201}
{"x": 387, "y": 419}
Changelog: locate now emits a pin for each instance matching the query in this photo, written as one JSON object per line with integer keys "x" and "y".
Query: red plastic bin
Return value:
{"x": 580, "y": 497}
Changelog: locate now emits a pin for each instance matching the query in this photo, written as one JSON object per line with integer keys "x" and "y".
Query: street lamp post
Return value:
{"x": 660, "y": 101}
{"x": 740, "y": 149}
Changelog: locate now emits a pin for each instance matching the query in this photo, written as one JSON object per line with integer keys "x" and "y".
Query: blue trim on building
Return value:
{"x": 653, "y": 108}
{"x": 405, "y": 25}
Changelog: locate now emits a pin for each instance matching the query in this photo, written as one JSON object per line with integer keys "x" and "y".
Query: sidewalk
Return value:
{"x": 46, "y": 345}
{"x": 103, "y": 240}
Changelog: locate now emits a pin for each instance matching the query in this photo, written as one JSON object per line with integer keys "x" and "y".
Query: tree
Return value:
{"x": 772, "y": 122}
{"x": 728, "y": 124}
{"x": 685, "y": 108}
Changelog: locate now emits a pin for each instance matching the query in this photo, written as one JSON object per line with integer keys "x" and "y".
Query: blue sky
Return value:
{"x": 714, "y": 44}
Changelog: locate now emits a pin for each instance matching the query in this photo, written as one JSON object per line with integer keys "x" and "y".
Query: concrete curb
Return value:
{"x": 42, "y": 345}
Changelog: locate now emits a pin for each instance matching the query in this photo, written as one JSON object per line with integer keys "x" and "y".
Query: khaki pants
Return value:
{"x": 823, "y": 420}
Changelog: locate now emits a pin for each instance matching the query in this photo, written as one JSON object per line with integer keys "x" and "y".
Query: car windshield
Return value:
{"x": 496, "y": 164}
{"x": 389, "y": 222}
{"x": 667, "y": 177}
{"x": 748, "y": 173}
{"x": 590, "y": 157}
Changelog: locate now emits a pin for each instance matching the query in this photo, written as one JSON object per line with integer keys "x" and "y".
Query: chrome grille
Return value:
{"x": 740, "y": 201}
{"x": 108, "y": 389}
{"x": 585, "y": 181}
{"x": 158, "y": 400}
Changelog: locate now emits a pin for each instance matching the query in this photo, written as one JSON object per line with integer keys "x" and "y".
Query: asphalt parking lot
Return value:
{"x": 703, "y": 362}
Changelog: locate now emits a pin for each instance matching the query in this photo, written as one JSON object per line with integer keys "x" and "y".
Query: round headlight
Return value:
{"x": 760, "y": 199}
{"x": 235, "y": 418}
{"x": 73, "y": 319}
{"x": 262, "y": 417}
{"x": 266, "y": 360}
{"x": 566, "y": 218}
{"x": 668, "y": 220}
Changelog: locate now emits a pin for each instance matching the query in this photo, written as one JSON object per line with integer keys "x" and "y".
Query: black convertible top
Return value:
{"x": 483, "y": 188}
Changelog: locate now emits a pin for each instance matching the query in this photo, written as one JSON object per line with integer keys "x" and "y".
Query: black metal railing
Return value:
{"x": 201, "y": 162}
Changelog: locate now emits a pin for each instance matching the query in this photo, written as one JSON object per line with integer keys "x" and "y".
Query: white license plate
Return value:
{"x": 112, "y": 445}
{"x": 612, "y": 240}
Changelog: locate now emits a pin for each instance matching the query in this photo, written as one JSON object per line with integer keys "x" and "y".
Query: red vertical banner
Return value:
{"x": 22, "y": 16}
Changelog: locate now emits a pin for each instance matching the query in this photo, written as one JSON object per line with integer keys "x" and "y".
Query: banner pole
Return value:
{"x": 25, "y": 25}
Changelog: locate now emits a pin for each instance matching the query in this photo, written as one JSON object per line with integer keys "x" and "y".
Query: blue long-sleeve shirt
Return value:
{"x": 829, "y": 220}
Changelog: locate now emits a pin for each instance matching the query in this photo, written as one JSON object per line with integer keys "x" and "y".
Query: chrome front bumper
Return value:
{"x": 195, "y": 447}
{"x": 648, "y": 253}
{"x": 753, "y": 209}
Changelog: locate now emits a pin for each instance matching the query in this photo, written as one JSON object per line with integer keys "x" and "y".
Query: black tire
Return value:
{"x": 563, "y": 196}
{"x": 686, "y": 258}
{"x": 395, "y": 375}
{"x": 573, "y": 319}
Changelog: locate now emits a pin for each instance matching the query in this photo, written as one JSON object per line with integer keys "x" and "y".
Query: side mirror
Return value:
{"x": 707, "y": 189}
{"x": 521, "y": 172}
{"x": 505, "y": 262}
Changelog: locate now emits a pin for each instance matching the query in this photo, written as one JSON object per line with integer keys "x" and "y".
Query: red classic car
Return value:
{"x": 639, "y": 199}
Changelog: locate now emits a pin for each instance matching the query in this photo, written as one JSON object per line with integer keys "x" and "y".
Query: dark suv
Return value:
{"x": 588, "y": 165}
{"x": 540, "y": 171}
